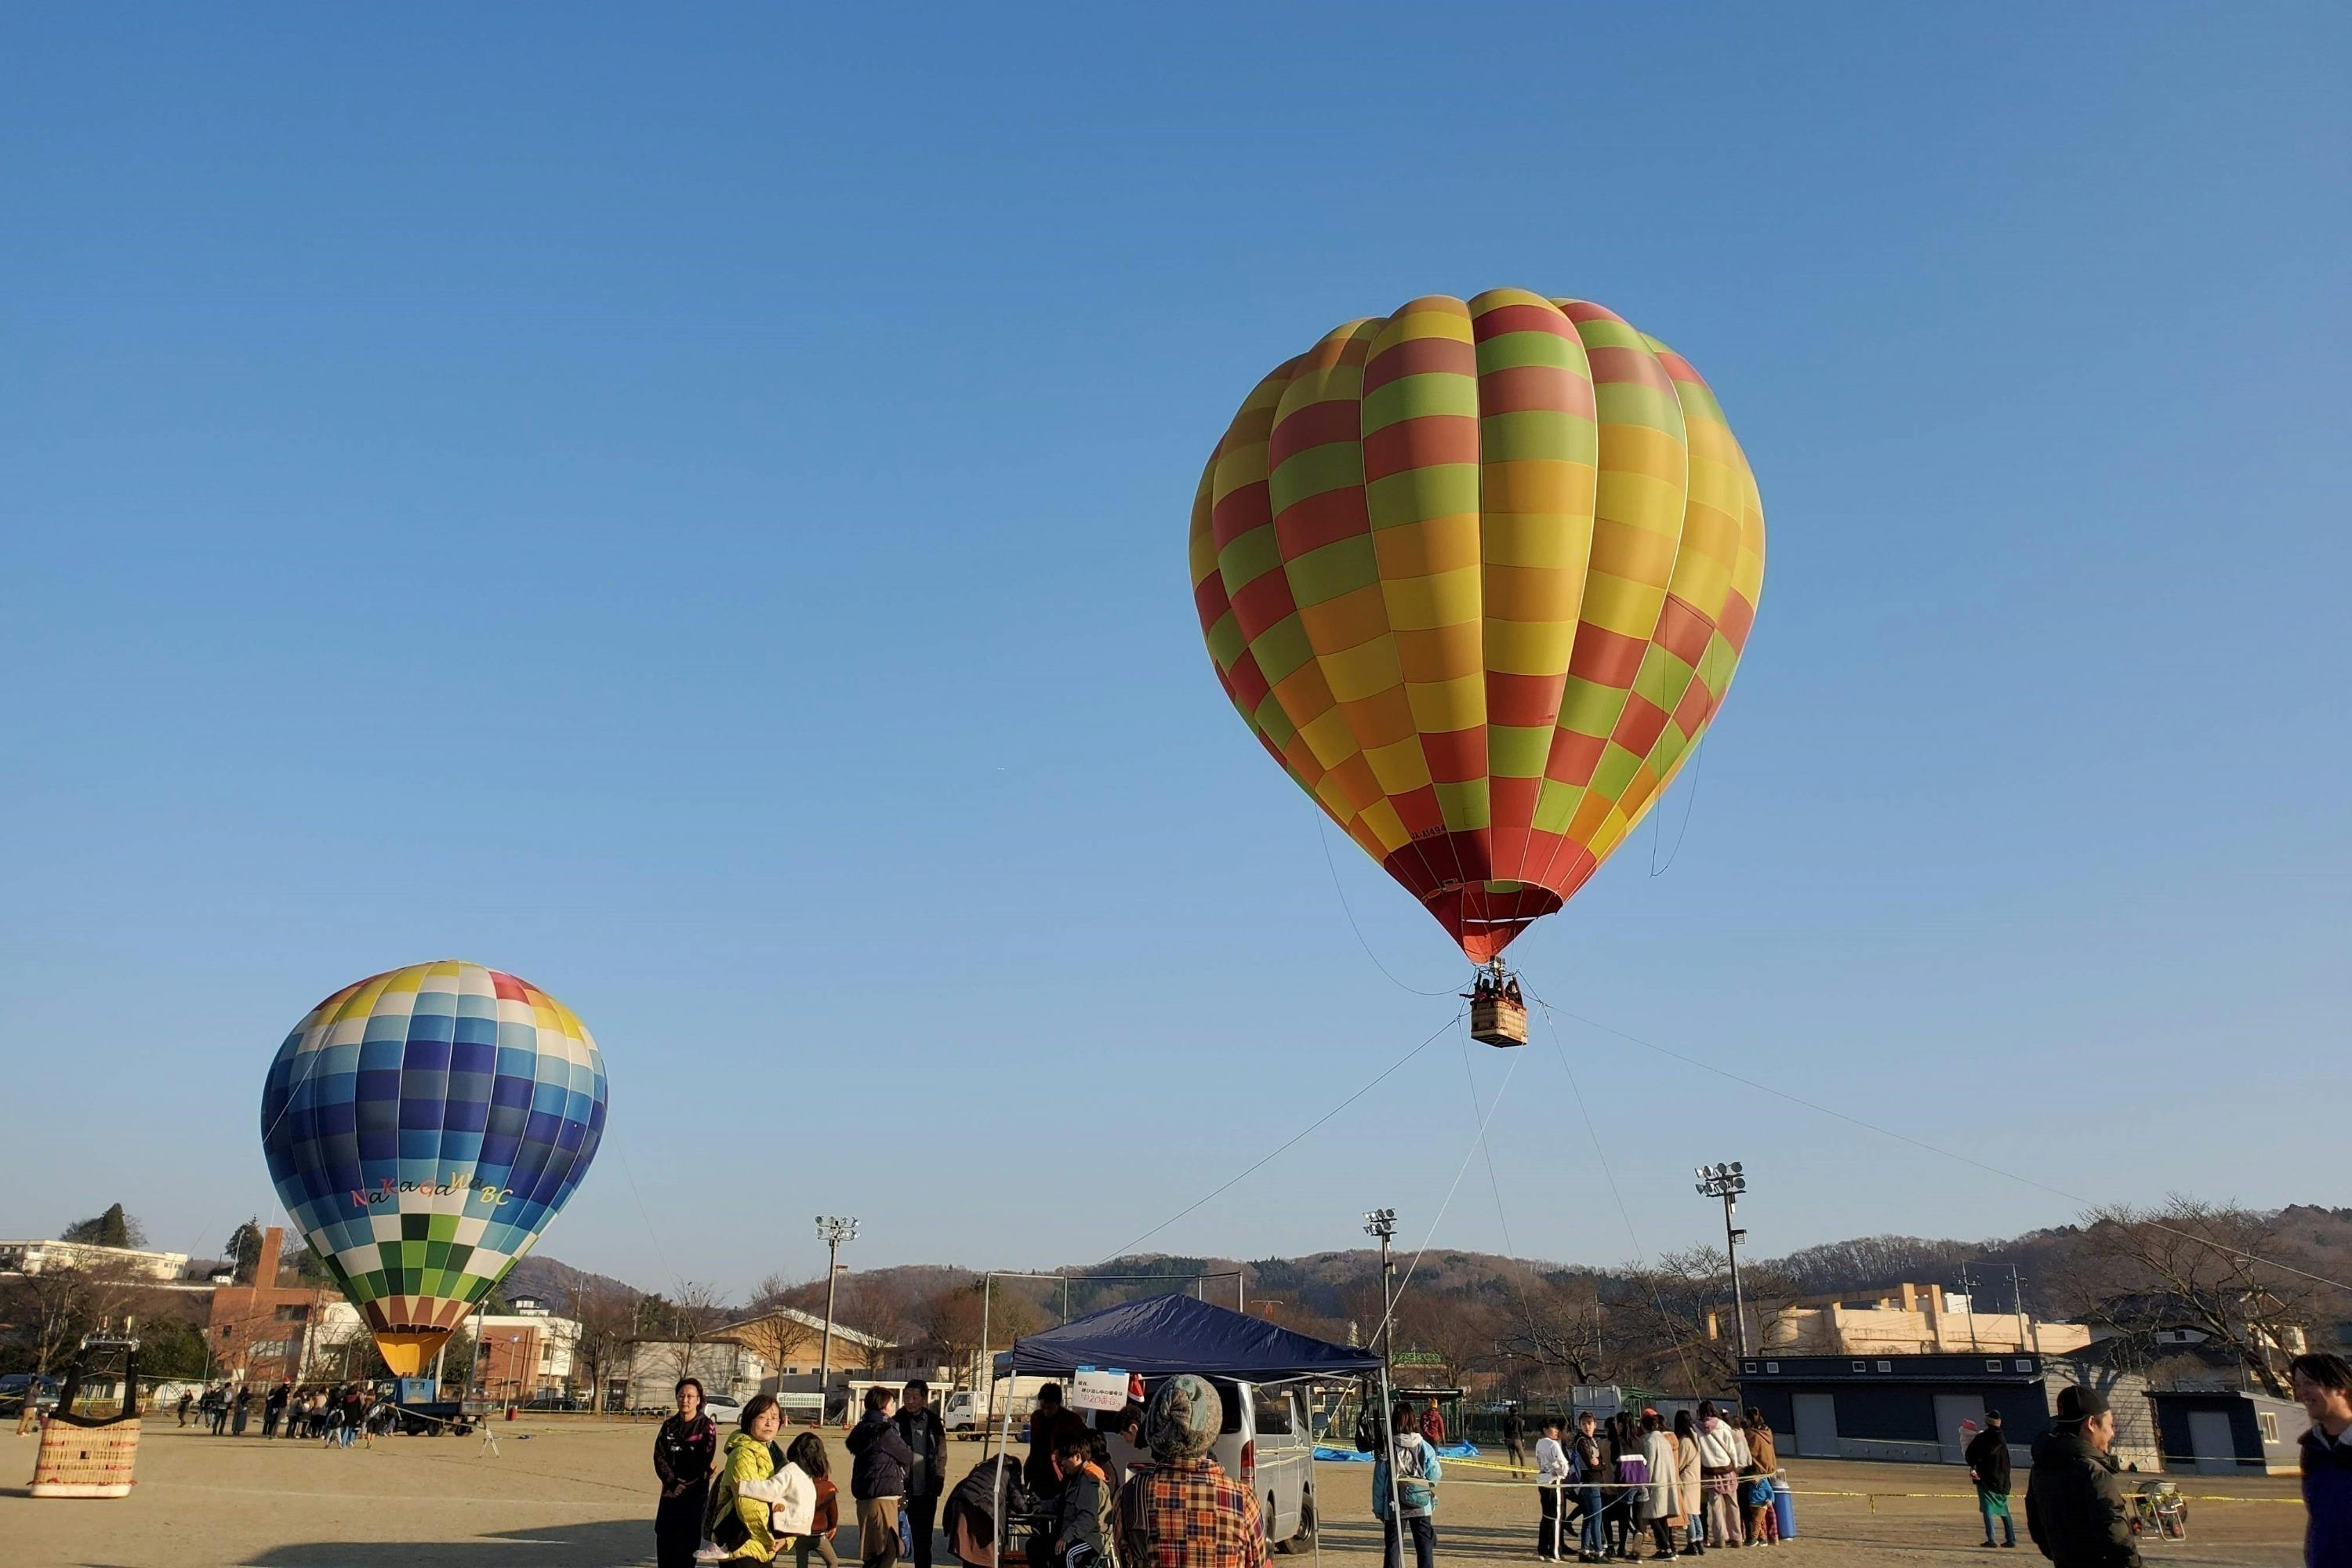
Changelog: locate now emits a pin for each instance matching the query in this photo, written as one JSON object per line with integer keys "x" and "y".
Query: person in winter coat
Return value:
{"x": 1988, "y": 1461}
{"x": 1433, "y": 1423}
{"x": 1721, "y": 1453}
{"x": 878, "y": 1479}
{"x": 1182, "y": 1511}
{"x": 807, "y": 1455}
{"x": 1763, "y": 1519}
{"x": 1593, "y": 1468}
{"x": 1658, "y": 1509}
{"x": 1515, "y": 1431}
{"x": 2323, "y": 1385}
{"x": 686, "y": 1449}
{"x": 927, "y": 1439}
{"x": 1553, "y": 1469}
{"x": 757, "y": 1505}
{"x": 2074, "y": 1507}
{"x": 273, "y": 1410}
{"x": 1632, "y": 1467}
{"x": 1414, "y": 1459}
{"x": 1085, "y": 1532}
{"x": 1689, "y": 1493}
{"x": 1049, "y": 1421}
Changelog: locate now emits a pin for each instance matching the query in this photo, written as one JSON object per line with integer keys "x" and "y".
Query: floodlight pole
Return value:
{"x": 1727, "y": 1182}
{"x": 832, "y": 1230}
{"x": 1382, "y": 1223}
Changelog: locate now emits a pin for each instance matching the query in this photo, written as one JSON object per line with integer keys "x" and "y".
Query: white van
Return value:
{"x": 1263, "y": 1443}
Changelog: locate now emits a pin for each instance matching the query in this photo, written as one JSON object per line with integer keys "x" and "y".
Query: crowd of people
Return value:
{"x": 340, "y": 1415}
{"x": 1695, "y": 1481}
{"x": 1071, "y": 1503}
{"x": 1701, "y": 1480}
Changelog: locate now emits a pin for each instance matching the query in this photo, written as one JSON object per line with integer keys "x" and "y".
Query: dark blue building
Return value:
{"x": 1917, "y": 1409}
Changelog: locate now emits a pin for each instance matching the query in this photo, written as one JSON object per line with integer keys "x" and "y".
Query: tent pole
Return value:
{"x": 1387, "y": 1452}
{"x": 1003, "y": 1445}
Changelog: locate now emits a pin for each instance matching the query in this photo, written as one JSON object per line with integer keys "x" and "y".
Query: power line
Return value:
{"x": 1930, "y": 1148}
{"x": 1260, "y": 1164}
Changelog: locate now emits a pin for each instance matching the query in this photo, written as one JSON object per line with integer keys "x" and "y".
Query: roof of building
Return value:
{"x": 841, "y": 1331}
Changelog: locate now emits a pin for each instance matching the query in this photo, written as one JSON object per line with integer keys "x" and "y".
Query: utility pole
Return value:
{"x": 1969, "y": 1295}
{"x": 2017, "y": 1299}
{"x": 1726, "y": 1182}
{"x": 1382, "y": 1223}
{"x": 832, "y": 1230}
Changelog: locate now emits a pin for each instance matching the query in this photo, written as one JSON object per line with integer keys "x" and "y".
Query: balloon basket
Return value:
{"x": 1499, "y": 1021}
{"x": 77, "y": 1461}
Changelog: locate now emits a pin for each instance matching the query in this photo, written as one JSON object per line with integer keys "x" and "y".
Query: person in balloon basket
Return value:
{"x": 1988, "y": 1461}
{"x": 686, "y": 1450}
{"x": 2324, "y": 1386}
{"x": 2074, "y": 1505}
{"x": 1183, "y": 1510}
{"x": 880, "y": 1461}
{"x": 926, "y": 1438}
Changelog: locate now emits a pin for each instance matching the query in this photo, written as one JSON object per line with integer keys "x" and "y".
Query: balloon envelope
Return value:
{"x": 422, "y": 1127}
{"x": 1478, "y": 574}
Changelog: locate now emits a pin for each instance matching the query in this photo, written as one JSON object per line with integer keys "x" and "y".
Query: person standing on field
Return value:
{"x": 1552, "y": 1470}
{"x": 2323, "y": 1385}
{"x": 2074, "y": 1507}
{"x": 878, "y": 1479}
{"x": 926, "y": 1438}
{"x": 1183, "y": 1510}
{"x": 1988, "y": 1461}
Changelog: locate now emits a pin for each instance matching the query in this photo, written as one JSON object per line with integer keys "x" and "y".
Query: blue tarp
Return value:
{"x": 1328, "y": 1454}
{"x": 1161, "y": 1335}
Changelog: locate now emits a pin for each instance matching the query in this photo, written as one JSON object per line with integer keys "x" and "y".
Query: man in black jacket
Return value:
{"x": 1987, "y": 1459}
{"x": 878, "y": 1479}
{"x": 927, "y": 1440}
{"x": 2075, "y": 1506}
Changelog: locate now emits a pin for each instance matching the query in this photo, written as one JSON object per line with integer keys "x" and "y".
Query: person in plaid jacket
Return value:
{"x": 1184, "y": 1512}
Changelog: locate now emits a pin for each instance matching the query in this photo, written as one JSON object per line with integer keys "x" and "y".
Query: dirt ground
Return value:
{"x": 560, "y": 1494}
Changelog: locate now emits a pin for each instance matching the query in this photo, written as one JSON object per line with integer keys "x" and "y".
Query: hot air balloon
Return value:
{"x": 1477, "y": 574}
{"x": 422, "y": 1126}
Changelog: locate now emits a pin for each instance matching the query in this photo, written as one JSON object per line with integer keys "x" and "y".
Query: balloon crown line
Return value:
{"x": 387, "y": 1191}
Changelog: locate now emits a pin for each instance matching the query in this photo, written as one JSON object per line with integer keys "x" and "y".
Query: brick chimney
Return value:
{"x": 265, "y": 1272}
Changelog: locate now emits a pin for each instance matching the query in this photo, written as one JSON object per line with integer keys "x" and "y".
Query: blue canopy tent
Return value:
{"x": 1161, "y": 1335}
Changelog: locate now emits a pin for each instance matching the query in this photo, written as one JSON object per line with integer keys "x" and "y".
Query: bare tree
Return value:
{"x": 949, "y": 1322}
{"x": 1556, "y": 1334}
{"x": 1671, "y": 1319}
{"x": 606, "y": 1315}
{"x": 2191, "y": 1264}
{"x": 769, "y": 1330}
{"x": 1461, "y": 1332}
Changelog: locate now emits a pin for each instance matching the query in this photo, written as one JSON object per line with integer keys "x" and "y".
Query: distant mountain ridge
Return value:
{"x": 1320, "y": 1284}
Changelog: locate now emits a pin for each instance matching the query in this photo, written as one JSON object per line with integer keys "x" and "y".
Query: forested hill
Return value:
{"x": 2053, "y": 1265}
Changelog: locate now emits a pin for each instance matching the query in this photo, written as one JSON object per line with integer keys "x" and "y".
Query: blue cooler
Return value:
{"x": 1784, "y": 1505}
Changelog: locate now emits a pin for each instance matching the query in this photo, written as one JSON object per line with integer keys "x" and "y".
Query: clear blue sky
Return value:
{"x": 691, "y": 509}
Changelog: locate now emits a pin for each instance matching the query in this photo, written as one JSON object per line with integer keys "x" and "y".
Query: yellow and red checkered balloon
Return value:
{"x": 1478, "y": 574}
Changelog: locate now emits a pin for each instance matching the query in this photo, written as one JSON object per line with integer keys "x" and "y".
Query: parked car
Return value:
{"x": 723, "y": 1408}
{"x": 12, "y": 1392}
{"x": 555, "y": 1401}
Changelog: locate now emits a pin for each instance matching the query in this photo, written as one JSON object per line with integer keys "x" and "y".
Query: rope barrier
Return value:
{"x": 1872, "y": 1497}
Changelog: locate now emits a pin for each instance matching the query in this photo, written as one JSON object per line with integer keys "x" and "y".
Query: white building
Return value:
{"x": 41, "y": 1257}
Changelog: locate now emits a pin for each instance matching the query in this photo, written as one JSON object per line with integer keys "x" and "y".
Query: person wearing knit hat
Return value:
{"x": 1184, "y": 1512}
